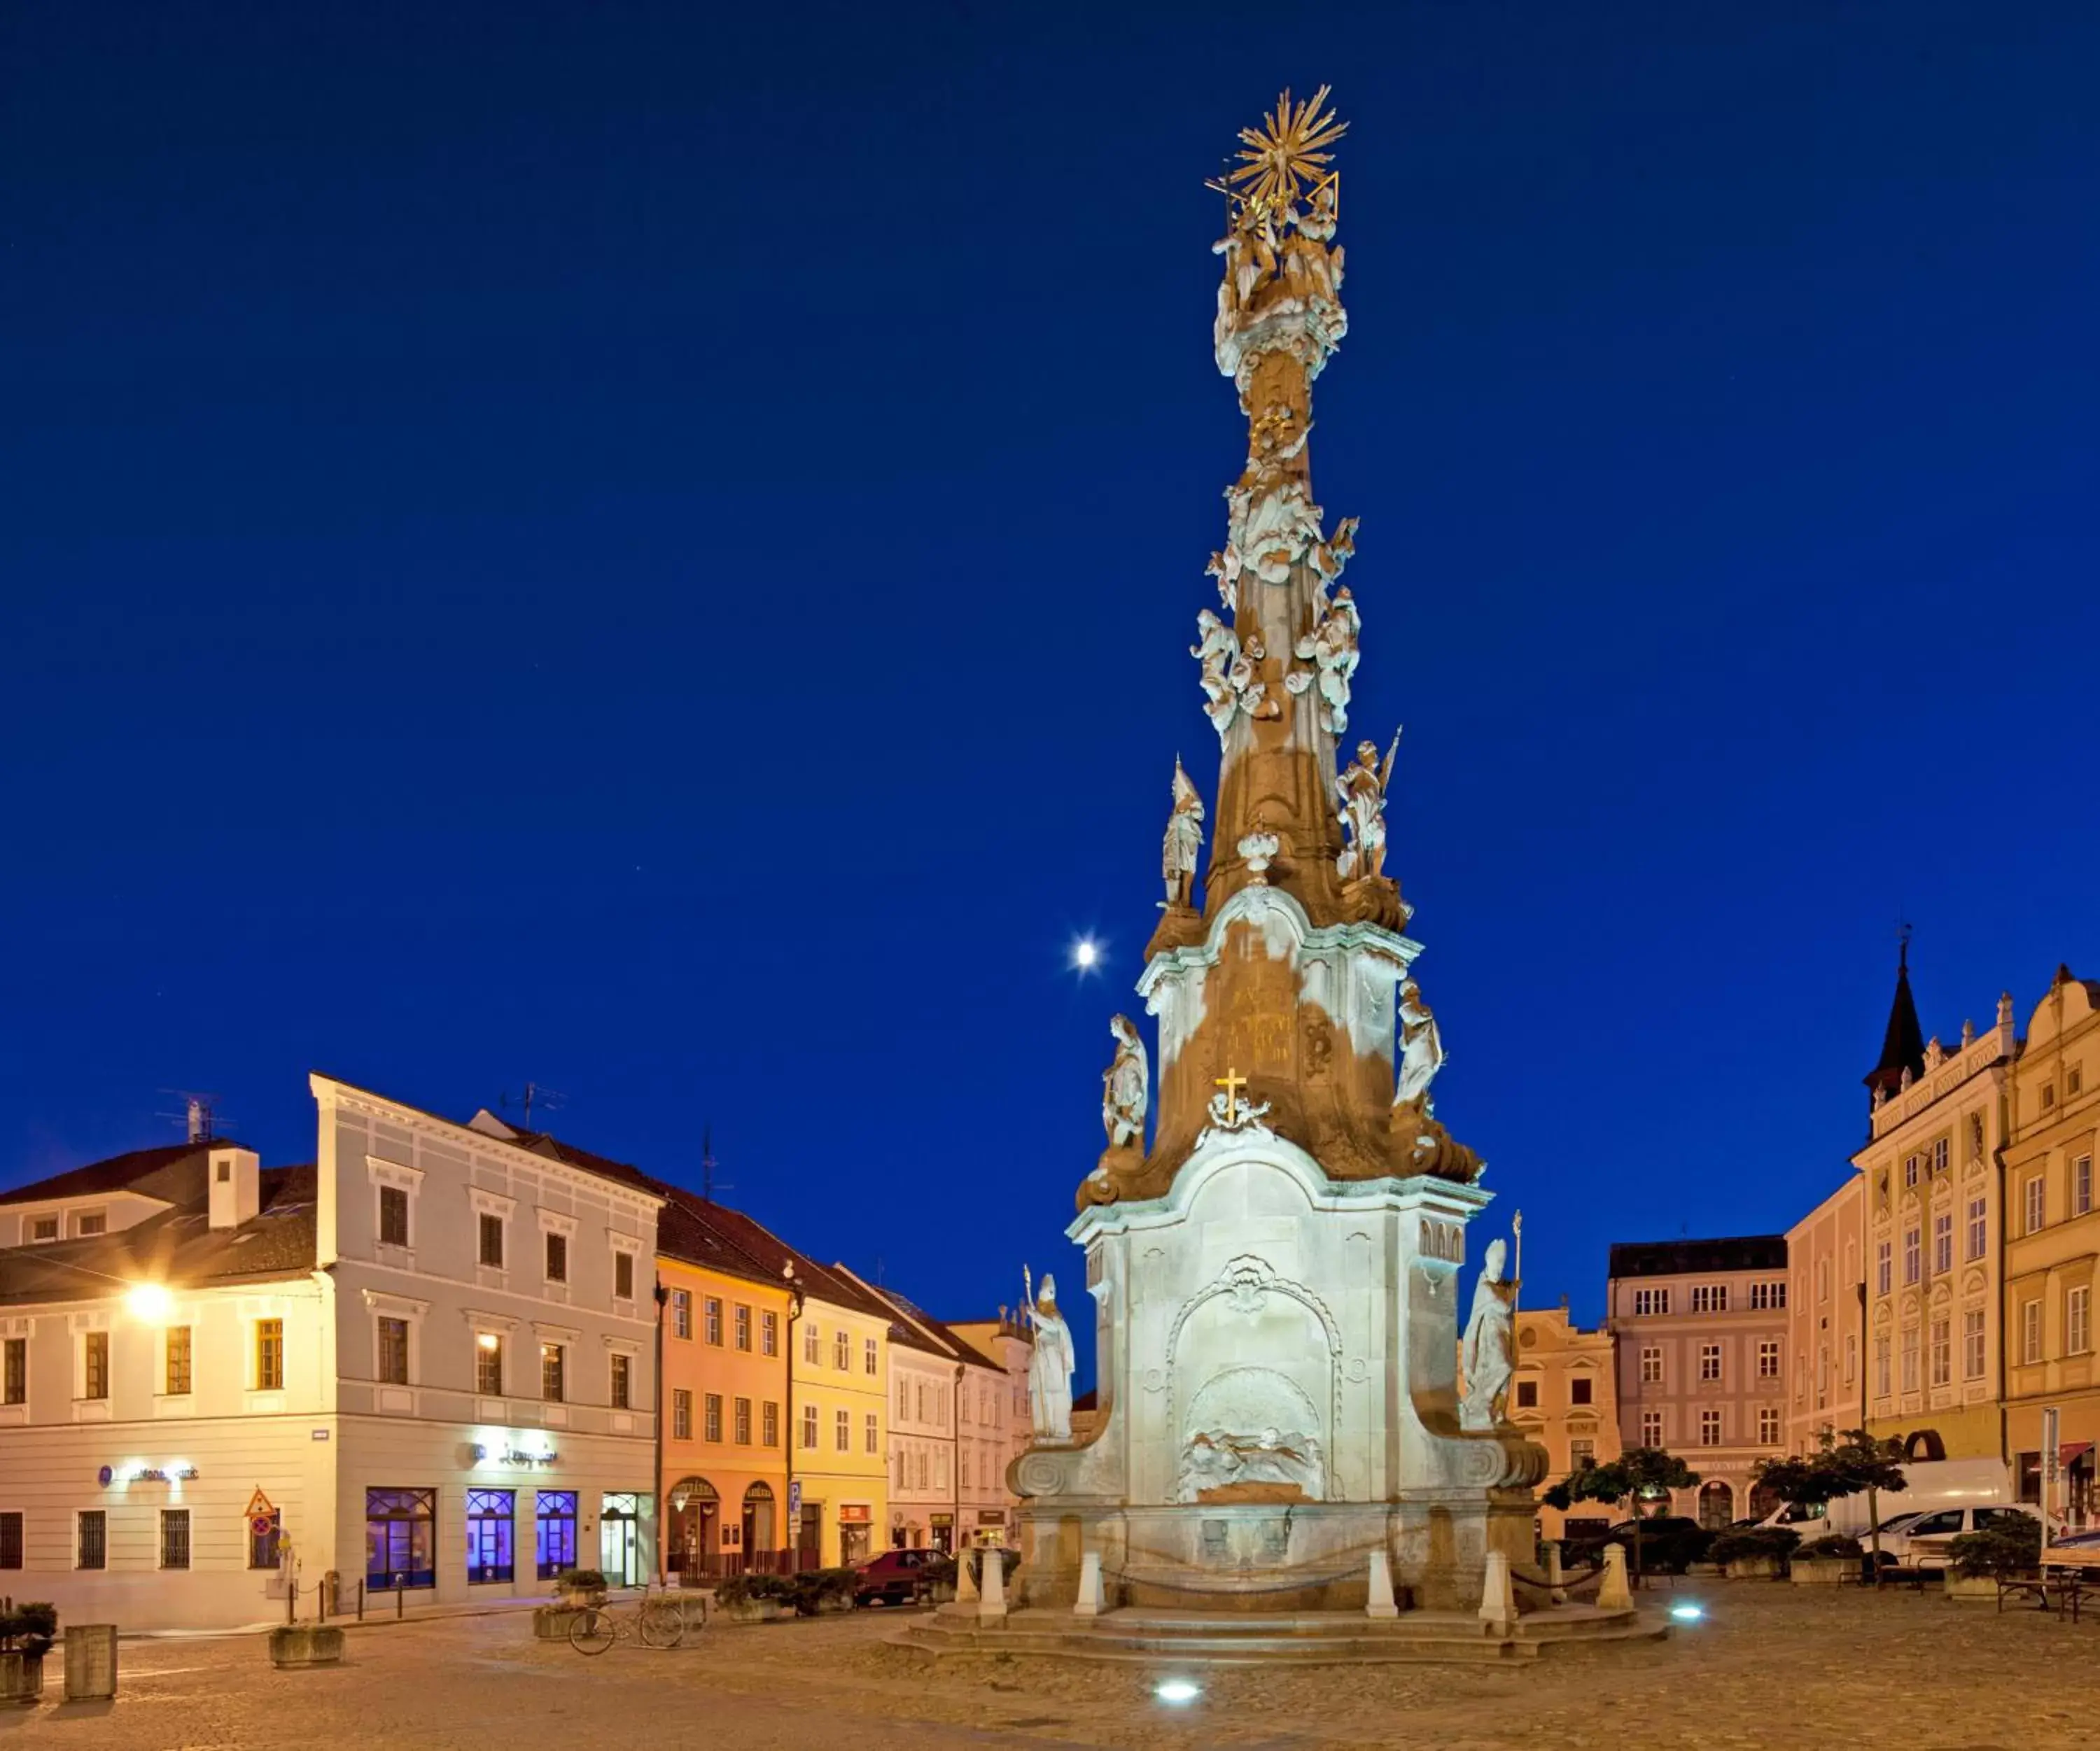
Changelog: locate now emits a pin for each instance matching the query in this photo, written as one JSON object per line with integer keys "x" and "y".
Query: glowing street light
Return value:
{"x": 1085, "y": 954}
{"x": 150, "y": 1302}
{"x": 1176, "y": 1693}
{"x": 1688, "y": 1613}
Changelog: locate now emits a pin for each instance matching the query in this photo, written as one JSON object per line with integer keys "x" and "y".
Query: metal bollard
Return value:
{"x": 360, "y": 1599}
{"x": 292, "y": 1600}
{"x": 400, "y": 1602}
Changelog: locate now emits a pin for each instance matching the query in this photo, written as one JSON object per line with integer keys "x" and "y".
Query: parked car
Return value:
{"x": 894, "y": 1576}
{"x": 1921, "y": 1540}
{"x": 1669, "y": 1543}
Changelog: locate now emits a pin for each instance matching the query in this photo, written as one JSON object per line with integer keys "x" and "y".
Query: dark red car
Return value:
{"x": 893, "y": 1577}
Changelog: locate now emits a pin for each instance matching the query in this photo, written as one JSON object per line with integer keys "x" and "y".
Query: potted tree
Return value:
{"x": 26, "y": 1635}
{"x": 1639, "y": 1476}
{"x": 1840, "y": 1467}
{"x": 1758, "y": 1553}
{"x": 2008, "y": 1550}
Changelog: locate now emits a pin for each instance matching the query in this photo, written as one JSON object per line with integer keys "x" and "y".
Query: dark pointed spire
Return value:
{"x": 1903, "y": 1045}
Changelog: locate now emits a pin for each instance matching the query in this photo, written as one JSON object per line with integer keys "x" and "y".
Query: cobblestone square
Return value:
{"x": 1770, "y": 1665}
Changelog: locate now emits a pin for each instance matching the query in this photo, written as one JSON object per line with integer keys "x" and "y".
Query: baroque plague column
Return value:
{"x": 1276, "y": 1278}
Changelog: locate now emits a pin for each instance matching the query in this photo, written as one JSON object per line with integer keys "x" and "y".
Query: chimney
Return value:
{"x": 235, "y": 1187}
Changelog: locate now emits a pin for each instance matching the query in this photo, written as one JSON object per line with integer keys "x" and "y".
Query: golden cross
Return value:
{"x": 1232, "y": 1081}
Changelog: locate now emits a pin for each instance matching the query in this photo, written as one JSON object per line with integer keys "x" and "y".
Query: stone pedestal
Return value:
{"x": 307, "y": 1644}
{"x": 966, "y": 1583}
{"x": 90, "y": 1662}
{"x": 1378, "y": 1600}
{"x": 1088, "y": 1604}
{"x": 1497, "y": 1596}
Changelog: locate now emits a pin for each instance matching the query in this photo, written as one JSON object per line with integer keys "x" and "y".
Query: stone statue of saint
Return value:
{"x": 1185, "y": 840}
{"x": 1359, "y": 788}
{"x": 1125, "y": 1089}
{"x": 1331, "y": 648}
{"x": 1420, "y": 1048}
{"x": 1050, "y": 1367}
{"x": 1487, "y": 1356}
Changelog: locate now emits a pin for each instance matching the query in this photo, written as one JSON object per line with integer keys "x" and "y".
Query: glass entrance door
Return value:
{"x": 620, "y": 1540}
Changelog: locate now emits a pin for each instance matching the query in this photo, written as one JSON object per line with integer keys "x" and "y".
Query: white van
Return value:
{"x": 1928, "y": 1484}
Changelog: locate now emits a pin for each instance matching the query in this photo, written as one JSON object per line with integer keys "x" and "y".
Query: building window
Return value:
{"x": 1851, "y": 1358}
{"x": 1710, "y": 1361}
{"x": 842, "y": 1431}
{"x": 1650, "y": 1365}
{"x": 1579, "y": 1389}
{"x": 393, "y": 1216}
{"x": 872, "y": 1433}
{"x": 1710, "y": 1428}
{"x": 1913, "y": 1255}
{"x": 1527, "y": 1395}
{"x": 1910, "y": 1359}
{"x": 174, "y": 1362}
{"x": 1767, "y": 1425}
{"x": 1943, "y": 1358}
{"x": 11, "y": 1540}
{"x": 95, "y": 1364}
{"x": 1942, "y": 1243}
{"x": 711, "y": 1425}
{"x": 550, "y": 1373}
{"x": 2031, "y": 1331}
{"x": 1972, "y": 1344}
{"x": 1801, "y": 1378}
{"x": 2037, "y": 1208}
{"x": 1768, "y": 1359}
{"x": 1883, "y": 1272}
{"x": 1651, "y": 1428}
{"x": 488, "y": 1364}
{"x": 681, "y": 1313}
{"x": 1979, "y": 1227}
{"x": 2074, "y": 1080}
{"x": 557, "y": 1258}
{"x": 742, "y": 1327}
{"x": 1766, "y": 1296}
{"x": 2081, "y": 1185}
{"x": 92, "y": 1551}
{"x": 491, "y": 1253}
{"x": 491, "y": 1516}
{"x": 2048, "y": 1096}
{"x": 554, "y": 1537}
{"x": 15, "y": 1371}
{"x": 43, "y": 1227}
{"x": 1581, "y": 1453}
{"x": 2077, "y": 1322}
{"x": 870, "y": 1362}
{"x": 768, "y": 1424}
{"x": 175, "y": 1537}
{"x": 623, "y": 1276}
{"x": 1910, "y": 1170}
{"x": 769, "y": 1334}
{"x": 619, "y": 1362}
{"x": 809, "y": 1342}
{"x": 1709, "y": 1297}
{"x": 265, "y": 1531}
{"x": 90, "y": 1223}
{"x": 393, "y": 1351}
{"x": 269, "y": 1356}
{"x": 842, "y": 1350}
{"x": 809, "y": 1426}
{"x": 400, "y": 1538}
{"x": 1649, "y": 1301}
{"x": 1881, "y": 1367}
{"x": 1939, "y": 1155}
{"x": 681, "y": 1414}
{"x": 903, "y": 1400}
{"x": 742, "y": 1423}
{"x": 711, "y": 1320}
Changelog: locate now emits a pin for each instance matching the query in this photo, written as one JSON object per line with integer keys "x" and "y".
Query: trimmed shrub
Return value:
{"x": 1848, "y": 1550}
{"x": 2012, "y": 1547}
{"x": 580, "y": 1580}
{"x": 30, "y": 1629}
{"x": 1752, "y": 1543}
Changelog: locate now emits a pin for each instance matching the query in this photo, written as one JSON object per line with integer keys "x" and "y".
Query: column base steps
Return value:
{"x": 1317, "y": 1638}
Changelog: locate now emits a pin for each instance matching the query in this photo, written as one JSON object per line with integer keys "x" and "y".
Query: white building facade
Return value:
{"x": 426, "y": 1362}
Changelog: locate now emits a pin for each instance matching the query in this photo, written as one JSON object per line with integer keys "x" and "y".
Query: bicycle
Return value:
{"x": 655, "y": 1621}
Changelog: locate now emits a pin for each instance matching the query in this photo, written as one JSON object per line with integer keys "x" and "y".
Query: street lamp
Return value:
{"x": 150, "y": 1302}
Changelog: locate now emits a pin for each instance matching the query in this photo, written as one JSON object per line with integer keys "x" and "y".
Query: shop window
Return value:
{"x": 554, "y": 1538}
{"x": 400, "y": 1538}
{"x": 491, "y": 1516}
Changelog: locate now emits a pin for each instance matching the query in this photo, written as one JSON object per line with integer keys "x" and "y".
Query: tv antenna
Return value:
{"x": 199, "y": 1115}
{"x": 708, "y": 1184}
{"x": 534, "y": 1095}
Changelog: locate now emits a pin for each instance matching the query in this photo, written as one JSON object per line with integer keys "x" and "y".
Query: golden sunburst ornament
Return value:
{"x": 1286, "y": 152}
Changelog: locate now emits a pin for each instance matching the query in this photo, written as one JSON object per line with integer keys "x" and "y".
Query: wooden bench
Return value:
{"x": 2061, "y": 1591}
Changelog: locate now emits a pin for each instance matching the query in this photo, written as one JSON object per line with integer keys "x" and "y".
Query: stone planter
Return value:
{"x": 834, "y": 1607}
{"x": 90, "y": 1662}
{"x": 1983, "y": 1587}
{"x": 1823, "y": 1571}
{"x": 550, "y": 1623}
{"x": 580, "y": 1600}
{"x": 305, "y": 1644}
{"x": 1755, "y": 1568}
{"x": 21, "y": 1678}
{"x": 757, "y": 1611}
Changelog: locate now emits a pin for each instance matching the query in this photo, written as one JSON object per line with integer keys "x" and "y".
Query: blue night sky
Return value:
{"x": 652, "y": 547}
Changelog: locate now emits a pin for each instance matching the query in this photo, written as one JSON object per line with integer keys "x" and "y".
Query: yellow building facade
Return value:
{"x": 2053, "y": 1245}
{"x": 839, "y": 1383}
{"x": 1565, "y": 1398}
{"x": 1935, "y": 1220}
